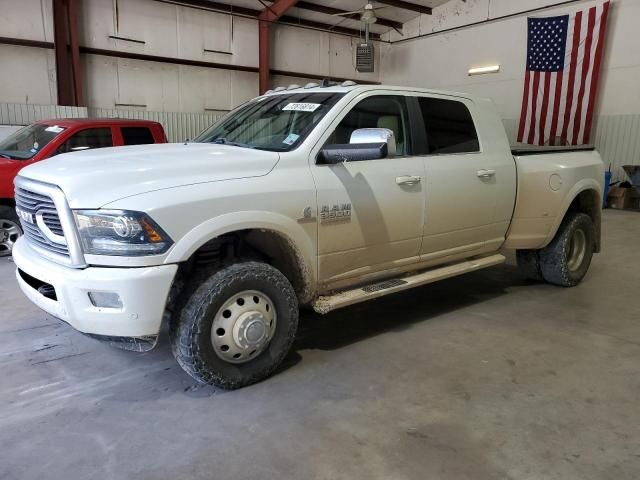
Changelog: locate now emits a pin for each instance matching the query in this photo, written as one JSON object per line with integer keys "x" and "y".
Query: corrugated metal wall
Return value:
{"x": 25, "y": 114}
{"x": 179, "y": 126}
{"x": 617, "y": 138}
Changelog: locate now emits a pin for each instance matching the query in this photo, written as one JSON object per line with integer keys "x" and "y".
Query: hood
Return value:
{"x": 93, "y": 178}
{"x": 11, "y": 163}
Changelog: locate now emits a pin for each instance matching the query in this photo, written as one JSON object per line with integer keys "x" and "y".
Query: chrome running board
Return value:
{"x": 344, "y": 298}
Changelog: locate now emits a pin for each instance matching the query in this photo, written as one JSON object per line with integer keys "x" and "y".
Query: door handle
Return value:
{"x": 408, "y": 179}
{"x": 486, "y": 173}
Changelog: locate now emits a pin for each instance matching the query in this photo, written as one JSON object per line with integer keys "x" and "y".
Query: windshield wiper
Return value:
{"x": 6, "y": 155}
{"x": 224, "y": 141}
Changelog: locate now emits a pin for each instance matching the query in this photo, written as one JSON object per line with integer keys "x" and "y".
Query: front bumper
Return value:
{"x": 143, "y": 293}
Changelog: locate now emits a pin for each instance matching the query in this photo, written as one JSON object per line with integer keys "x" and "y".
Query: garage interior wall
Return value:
{"x": 430, "y": 54}
{"x": 167, "y": 30}
{"x": 442, "y": 61}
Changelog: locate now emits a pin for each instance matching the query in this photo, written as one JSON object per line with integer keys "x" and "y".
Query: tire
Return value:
{"x": 10, "y": 229}
{"x": 200, "y": 329}
{"x": 566, "y": 259}
{"x": 529, "y": 264}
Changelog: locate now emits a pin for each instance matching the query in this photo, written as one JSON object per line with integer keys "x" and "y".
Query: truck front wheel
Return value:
{"x": 237, "y": 325}
{"x": 566, "y": 259}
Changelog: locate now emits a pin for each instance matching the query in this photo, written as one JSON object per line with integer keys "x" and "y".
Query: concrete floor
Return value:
{"x": 486, "y": 376}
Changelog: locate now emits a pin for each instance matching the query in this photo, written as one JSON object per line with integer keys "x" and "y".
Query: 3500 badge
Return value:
{"x": 335, "y": 213}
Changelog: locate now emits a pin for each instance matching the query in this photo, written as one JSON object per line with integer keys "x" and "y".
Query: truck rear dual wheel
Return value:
{"x": 237, "y": 326}
{"x": 566, "y": 260}
{"x": 10, "y": 229}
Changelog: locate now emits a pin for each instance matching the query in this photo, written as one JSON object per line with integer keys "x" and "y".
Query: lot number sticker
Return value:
{"x": 302, "y": 107}
{"x": 291, "y": 139}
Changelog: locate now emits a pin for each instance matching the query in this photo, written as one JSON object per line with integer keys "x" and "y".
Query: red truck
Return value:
{"x": 48, "y": 138}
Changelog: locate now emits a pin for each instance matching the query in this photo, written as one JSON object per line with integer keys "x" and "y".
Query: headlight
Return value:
{"x": 120, "y": 232}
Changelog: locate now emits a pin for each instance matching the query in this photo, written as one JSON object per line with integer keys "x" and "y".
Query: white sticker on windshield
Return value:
{"x": 54, "y": 129}
{"x": 302, "y": 107}
{"x": 291, "y": 139}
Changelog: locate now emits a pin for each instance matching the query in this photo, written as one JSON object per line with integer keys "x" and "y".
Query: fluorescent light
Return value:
{"x": 484, "y": 70}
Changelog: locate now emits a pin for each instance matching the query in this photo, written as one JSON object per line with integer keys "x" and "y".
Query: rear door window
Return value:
{"x": 136, "y": 135}
{"x": 449, "y": 127}
{"x": 87, "y": 139}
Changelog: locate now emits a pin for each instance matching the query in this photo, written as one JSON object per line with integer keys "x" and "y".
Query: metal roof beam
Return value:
{"x": 249, "y": 12}
{"x": 414, "y": 7}
{"x": 288, "y": 20}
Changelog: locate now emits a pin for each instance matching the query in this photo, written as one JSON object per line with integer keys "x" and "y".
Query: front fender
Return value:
{"x": 245, "y": 220}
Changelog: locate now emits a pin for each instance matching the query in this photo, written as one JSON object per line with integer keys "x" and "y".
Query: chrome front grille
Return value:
{"x": 34, "y": 235}
{"x": 52, "y": 221}
{"x": 48, "y": 222}
{"x": 34, "y": 204}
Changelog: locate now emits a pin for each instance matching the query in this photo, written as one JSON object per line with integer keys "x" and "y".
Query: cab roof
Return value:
{"x": 347, "y": 87}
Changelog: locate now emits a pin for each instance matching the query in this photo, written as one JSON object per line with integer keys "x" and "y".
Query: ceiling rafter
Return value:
{"x": 352, "y": 32}
{"x": 252, "y": 13}
{"x": 216, "y": 6}
{"x": 414, "y": 7}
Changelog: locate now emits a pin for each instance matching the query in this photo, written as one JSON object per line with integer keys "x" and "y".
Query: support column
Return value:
{"x": 263, "y": 56}
{"x": 67, "y": 53}
{"x": 268, "y": 15}
{"x": 74, "y": 41}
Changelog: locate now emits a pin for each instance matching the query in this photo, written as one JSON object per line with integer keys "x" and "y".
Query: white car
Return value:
{"x": 321, "y": 195}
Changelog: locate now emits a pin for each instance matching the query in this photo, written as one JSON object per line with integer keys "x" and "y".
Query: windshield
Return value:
{"x": 278, "y": 123}
{"x": 26, "y": 142}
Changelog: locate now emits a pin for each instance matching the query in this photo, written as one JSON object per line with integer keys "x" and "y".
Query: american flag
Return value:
{"x": 564, "y": 55}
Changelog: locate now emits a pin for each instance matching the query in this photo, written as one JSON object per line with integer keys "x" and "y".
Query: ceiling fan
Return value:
{"x": 367, "y": 13}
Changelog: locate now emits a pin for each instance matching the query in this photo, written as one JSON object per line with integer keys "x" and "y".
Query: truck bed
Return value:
{"x": 549, "y": 179}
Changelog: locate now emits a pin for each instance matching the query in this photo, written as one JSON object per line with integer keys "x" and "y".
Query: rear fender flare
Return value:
{"x": 581, "y": 186}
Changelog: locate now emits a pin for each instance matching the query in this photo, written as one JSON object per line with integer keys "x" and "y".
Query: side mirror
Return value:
{"x": 348, "y": 152}
{"x": 365, "y": 144}
{"x": 375, "y": 135}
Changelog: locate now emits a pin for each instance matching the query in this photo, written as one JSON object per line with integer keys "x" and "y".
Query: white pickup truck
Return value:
{"x": 320, "y": 196}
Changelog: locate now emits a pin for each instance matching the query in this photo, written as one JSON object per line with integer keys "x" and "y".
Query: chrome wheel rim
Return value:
{"x": 9, "y": 233}
{"x": 243, "y": 326}
{"x": 577, "y": 250}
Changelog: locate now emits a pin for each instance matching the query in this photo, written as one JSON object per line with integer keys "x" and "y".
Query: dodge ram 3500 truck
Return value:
{"x": 319, "y": 196}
